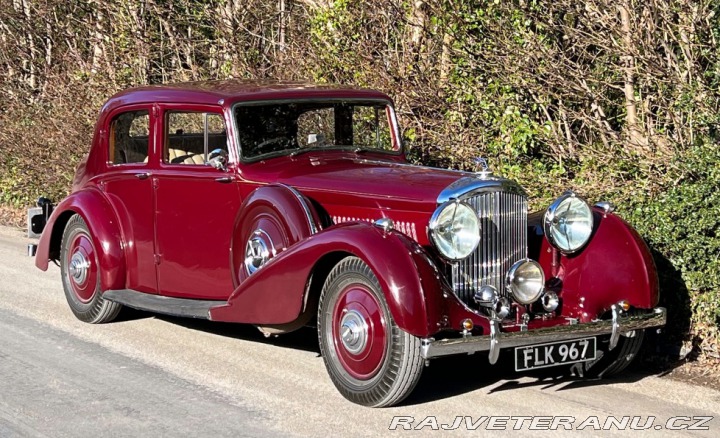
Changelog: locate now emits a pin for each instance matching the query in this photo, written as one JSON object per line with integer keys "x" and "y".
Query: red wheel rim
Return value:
{"x": 359, "y": 332}
{"x": 81, "y": 267}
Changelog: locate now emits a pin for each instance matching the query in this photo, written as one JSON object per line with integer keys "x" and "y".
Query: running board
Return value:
{"x": 161, "y": 304}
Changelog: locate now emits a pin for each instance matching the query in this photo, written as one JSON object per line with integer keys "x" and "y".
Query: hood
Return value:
{"x": 366, "y": 182}
{"x": 347, "y": 187}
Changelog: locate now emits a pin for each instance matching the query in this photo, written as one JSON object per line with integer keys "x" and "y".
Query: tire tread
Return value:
{"x": 405, "y": 362}
{"x": 99, "y": 310}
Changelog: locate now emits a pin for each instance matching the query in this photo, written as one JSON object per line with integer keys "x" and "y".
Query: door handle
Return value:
{"x": 145, "y": 175}
{"x": 224, "y": 179}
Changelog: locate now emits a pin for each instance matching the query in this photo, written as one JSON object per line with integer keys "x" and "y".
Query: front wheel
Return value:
{"x": 81, "y": 275}
{"x": 612, "y": 362}
{"x": 370, "y": 360}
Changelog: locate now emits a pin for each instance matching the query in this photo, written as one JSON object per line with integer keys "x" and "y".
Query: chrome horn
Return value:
{"x": 489, "y": 298}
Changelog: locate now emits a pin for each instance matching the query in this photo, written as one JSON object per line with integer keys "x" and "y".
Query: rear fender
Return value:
{"x": 409, "y": 279}
{"x": 103, "y": 226}
{"x": 280, "y": 213}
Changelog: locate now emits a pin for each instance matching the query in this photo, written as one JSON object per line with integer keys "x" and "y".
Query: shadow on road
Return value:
{"x": 451, "y": 376}
{"x": 445, "y": 377}
{"x": 304, "y": 339}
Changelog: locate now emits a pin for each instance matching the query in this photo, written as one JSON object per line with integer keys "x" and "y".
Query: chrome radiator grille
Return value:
{"x": 503, "y": 241}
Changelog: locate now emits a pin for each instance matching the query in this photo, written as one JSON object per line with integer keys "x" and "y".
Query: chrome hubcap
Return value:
{"x": 257, "y": 251}
{"x": 353, "y": 332}
{"x": 79, "y": 266}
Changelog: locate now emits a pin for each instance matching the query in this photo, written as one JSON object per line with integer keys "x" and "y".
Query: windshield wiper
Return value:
{"x": 300, "y": 151}
{"x": 354, "y": 149}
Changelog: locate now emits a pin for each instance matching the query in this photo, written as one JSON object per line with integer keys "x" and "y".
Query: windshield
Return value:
{"x": 295, "y": 127}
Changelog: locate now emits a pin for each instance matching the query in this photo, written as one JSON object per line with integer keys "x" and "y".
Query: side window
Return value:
{"x": 191, "y": 137}
{"x": 129, "y": 138}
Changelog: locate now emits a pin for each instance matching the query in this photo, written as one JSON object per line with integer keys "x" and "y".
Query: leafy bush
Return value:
{"x": 682, "y": 225}
{"x": 616, "y": 99}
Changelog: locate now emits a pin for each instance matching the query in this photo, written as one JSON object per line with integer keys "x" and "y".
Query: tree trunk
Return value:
{"x": 637, "y": 140}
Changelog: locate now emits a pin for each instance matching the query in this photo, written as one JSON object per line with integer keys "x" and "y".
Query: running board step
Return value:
{"x": 160, "y": 304}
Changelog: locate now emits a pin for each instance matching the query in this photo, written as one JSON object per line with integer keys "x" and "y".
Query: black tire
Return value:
{"x": 613, "y": 362}
{"x": 400, "y": 366}
{"x": 83, "y": 291}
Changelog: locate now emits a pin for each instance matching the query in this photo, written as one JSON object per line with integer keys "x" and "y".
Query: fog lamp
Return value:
{"x": 526, "y": 281}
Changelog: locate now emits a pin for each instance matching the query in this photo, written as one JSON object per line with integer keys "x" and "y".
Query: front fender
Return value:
{"x": 410, "y": 281}
{"x": 103, "y": 226}
{"x": 615, "y": 265}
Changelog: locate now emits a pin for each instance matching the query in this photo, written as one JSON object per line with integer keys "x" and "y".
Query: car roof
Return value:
{"x": 236, "y": 90}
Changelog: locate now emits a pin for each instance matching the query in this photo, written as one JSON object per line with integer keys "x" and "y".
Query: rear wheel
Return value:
{"x": 81, "y": 275}
{"x": 370, "y": 360}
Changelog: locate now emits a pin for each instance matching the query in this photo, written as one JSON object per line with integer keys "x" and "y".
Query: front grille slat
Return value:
{"x": 503, "y": 241}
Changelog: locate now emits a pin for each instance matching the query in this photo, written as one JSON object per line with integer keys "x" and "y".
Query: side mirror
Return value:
{"x": 218, "y": 159}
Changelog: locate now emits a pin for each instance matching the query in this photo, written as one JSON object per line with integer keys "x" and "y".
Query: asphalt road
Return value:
{"x": 147, "y": 375}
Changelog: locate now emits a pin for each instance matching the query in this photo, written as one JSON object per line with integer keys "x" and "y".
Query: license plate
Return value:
{"x": 554, "y": 353}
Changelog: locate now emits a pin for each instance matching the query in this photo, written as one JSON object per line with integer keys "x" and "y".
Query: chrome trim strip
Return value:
{"x": 615, "y": 335}
{"x": 495, "y": 334}
{"x": 435, "y": 348}
{"x": 391, "y": 163}
{"x": 306, "y": 208}
{"x": 470, "y": 186}
{"x": 607, "y": 207}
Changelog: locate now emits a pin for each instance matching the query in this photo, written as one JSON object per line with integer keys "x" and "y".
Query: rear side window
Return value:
{"x": 190, "y": 137}
{"x": 129, "y": 138}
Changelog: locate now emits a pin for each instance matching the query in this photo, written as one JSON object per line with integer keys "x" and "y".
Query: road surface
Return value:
{"x": 149, "y": 375}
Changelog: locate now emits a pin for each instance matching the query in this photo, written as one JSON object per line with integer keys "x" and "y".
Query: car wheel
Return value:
{"x": 370, "y": 360}
{"x": 81, "y": 275}
{"x": 612, "y": 362}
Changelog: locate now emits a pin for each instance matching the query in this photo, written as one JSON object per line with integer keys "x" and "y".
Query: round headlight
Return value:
{"x": 526, "y": 281}
{"x": 568, "y": 223}
{"x": 455, "y": 230}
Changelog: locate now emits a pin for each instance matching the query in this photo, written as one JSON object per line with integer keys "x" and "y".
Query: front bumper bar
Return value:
{"x": 497, "y": 340}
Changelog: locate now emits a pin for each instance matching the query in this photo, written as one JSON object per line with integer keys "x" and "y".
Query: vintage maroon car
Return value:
{"x": 284, "y": 205}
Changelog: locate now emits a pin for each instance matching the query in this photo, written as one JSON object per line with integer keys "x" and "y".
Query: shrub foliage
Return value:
{"x": 617, "y": 99}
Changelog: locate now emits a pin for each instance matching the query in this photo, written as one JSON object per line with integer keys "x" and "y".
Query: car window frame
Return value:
{"x": 108, "y": 132}
{"x": 166, "y": 108}
{"x": 389, "y": 110}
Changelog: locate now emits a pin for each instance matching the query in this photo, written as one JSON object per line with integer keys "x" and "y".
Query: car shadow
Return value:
{"x": 456, "y": 375}
{"x": 445, "y": 377}
{"x": 304, "y": 339}
{"x": 666, "y": 347}
{"x": 130, "y": 314}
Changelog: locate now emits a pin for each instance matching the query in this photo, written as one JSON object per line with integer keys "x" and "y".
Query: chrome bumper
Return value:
{"x": 497, "y": 340}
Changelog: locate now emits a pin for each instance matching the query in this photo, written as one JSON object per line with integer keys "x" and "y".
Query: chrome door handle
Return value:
{"x": 224, "y": 179}
{"x": 145, "y": 175}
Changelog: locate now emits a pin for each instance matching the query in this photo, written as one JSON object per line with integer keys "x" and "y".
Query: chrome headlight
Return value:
{"x": 455, "y": 230}
{"x": 568, "y": 223}
{"x": 526, "y": 281}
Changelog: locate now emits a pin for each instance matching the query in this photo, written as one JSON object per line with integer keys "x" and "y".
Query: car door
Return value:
{"x": 129, "y": 140}
{"x": 196, "y": 206}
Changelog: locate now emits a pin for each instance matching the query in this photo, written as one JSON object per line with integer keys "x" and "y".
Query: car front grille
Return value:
{"x": 503, "y": 241}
